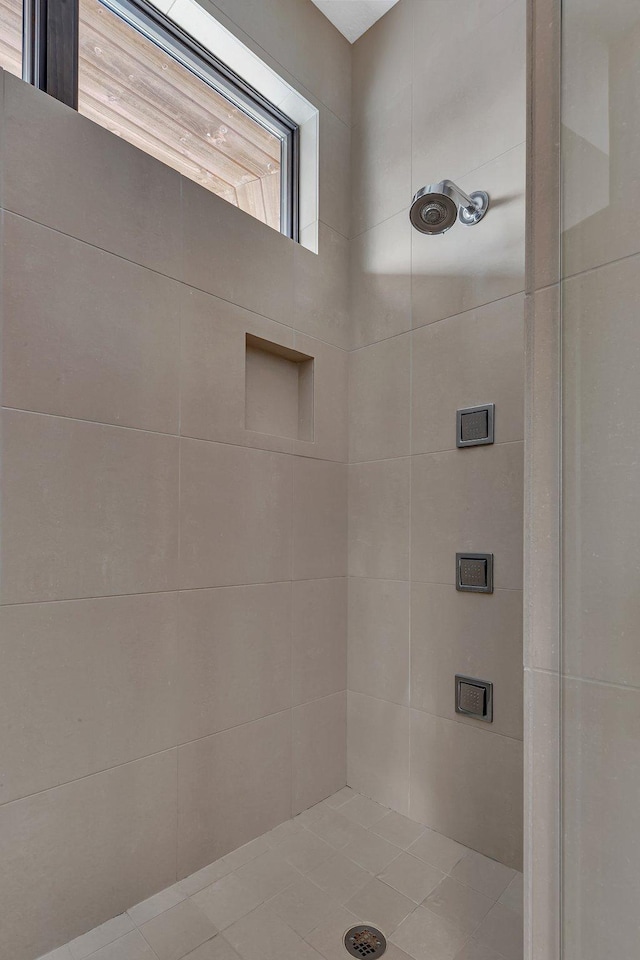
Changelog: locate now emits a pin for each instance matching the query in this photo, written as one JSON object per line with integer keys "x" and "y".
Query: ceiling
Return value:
{"x": 354, "y": 17}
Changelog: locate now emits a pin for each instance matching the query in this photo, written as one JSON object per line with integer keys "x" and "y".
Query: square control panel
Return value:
{"x": 474, "y": 572}
{"x": 474, "y": 425}
{"x": 474, "y": 698}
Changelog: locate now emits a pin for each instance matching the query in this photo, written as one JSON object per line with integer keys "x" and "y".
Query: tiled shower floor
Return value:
{"x": 292, "y": 893}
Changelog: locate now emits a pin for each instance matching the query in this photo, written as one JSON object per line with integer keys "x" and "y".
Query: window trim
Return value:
{"x": 50, "y": 56}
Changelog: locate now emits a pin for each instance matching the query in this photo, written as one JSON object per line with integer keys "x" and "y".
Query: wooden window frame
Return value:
{"x": 50, "y": 62}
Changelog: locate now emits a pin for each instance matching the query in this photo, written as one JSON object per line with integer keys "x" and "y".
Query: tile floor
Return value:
{"x": 292, "y": 893}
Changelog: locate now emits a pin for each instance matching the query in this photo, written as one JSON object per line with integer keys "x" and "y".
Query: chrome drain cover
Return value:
{"x": 365, "y": 941}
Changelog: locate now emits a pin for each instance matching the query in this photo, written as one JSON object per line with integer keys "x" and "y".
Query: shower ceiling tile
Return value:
{"x": 354, "y": 17}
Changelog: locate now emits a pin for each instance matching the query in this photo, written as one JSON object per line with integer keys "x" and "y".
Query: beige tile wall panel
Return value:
{"x": 380, "y": 293}
{"x": 380, "y": 400}
{"x": 99, "y": 340}
{"x": 235, "y": 515}
{"x": 319, "y": 519}
{"x": 88, "y": 510}
{"x": 77, "y": 855}
{"x": 88, "y": 183}
{"x": 378, "y": 757}
{"x": 465, "y": 361}
{"x": 232, "y": 787}
{"x": 467, "y": 784}
{"x": 379, "y": 519}
{"x": 383, "y": 61}
{"x": 235, "y": 657}
{"x": 379, "y": 639}
{"x": 319, "y": 639}
{"x": 473, "y": 503}
{"x": 471, "y": 634}
{"x": 319, "y": 750}
{"x": 321, "y": 288}
{"x": 330, "y": 397}
{"x": 334, "y": 146}
{"x": 86, "y": 685}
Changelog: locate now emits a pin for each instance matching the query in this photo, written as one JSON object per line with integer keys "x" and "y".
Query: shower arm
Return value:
{"x": 459, "y": 196}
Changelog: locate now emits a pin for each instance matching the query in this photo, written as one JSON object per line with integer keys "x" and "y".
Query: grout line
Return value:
{"x": 428, "y": 453}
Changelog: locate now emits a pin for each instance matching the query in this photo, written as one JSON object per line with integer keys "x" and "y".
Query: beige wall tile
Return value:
{"x": 330, "y": 414}
{"x": 381, "y": 163}
{"x": 466, "y": 268}
{"x": 235, "y": 656}
{"x": 334, "y": 147}
{"x": 380, "y": 278}
{"x": 84, "y": 852}
{"x": 319, "y": 750}
{"x": 601, "y": 350}
{"x": 380, "y": 400}
{"x": 446, "y": 757}
{"x": 88, "y": 183}
{"x": 232, "y": 787}
{"x": 383, "y": 60}
{"x": 379, "y": 521}
{"x": 230, "y": 254}
{"x": 212, "y": 381}
{"x": 319, "y": 650}
{"x": 86, "y": 685}
{"x": 463, "y": 502}
{"x": 600, "y": 771}
{"x": 485, "y": 80}
{"x": 88, "y": 510}
{"x": 321, "y": 288}
{"x": 465, "y": 361}
{"x": 319, "y": 519}
{"x": 98, "y": 340}
{"x": 378, "y": 750}
{"x": 473, "y": 635}
{"x": 379, "y": 639}
{"x": 235, "y": 515}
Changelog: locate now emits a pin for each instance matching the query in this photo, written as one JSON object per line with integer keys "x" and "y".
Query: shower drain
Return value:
{"x": 365, "y": 941}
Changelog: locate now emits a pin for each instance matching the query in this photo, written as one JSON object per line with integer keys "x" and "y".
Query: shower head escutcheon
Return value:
{"x": 436, "y": 207}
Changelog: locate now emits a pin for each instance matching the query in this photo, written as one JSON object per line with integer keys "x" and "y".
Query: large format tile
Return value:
{"x": 88, "y": 510}
{"x": 230, "y": 254}
{"x": 464, "y": 268}
{"x": 319, "y": 644}
{"x": 445, "y": 757}
{"x": 321, "y": 288}
{"x": 319, "y": 750}
{"x": 379, "y": 519}
{"x": 330, "y": 400}
{"x": 382, "y": 61}
{"x": 98, "y": 340}
{"x": 235, "y": 656}
{"x": 600, "y": 819}
{"x": 601, "y": 350}
{"x": 465, "y": 361}
{"x": 474, "y": 503}
{"x": 454, "y": 632}
{"x": 380, "y": 284}
{"x": 378, "y": 750}
{"x": 334, "y": 145}
{"x": 477, "y": 100}
{"x": 85, "y": 685}
{"x": 380, "y": 400}
{"x": 319, "y": 519}
{"x": 89, "y": 184}
{"x": 235, "y": 514}
{"x": 232, "y": 787}
{"x": 213, "y": 365}
{"x": 381, "y": 163}
{"x": 108, "y": 840}
{"x": 379, "y": 638}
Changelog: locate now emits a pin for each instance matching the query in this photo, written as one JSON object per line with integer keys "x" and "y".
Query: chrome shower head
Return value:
{"x": 435, "y": 208}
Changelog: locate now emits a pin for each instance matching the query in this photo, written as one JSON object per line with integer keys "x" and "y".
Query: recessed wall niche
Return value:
{"x": 278, "y": 390}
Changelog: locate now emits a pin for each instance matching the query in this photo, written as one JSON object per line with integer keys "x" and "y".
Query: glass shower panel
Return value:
{"x": 600, "y": 767}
